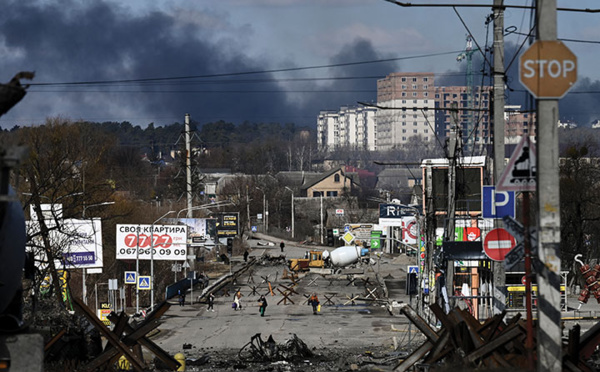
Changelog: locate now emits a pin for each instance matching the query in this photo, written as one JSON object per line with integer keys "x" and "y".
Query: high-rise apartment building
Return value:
{"x": 472, "y": 115}
{"x": 411, "y": 105}
{"x": 407, "y": 102}
{"x": 350, "y": 127}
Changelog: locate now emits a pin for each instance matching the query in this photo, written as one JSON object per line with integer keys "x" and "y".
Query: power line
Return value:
{"x": 503, "y": 6}
{"x": 187, "y": 77}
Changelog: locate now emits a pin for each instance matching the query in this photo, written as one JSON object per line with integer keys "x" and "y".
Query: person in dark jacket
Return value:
{"x": 314, "y": 301}
{"x": 211, "y": 302}
{"x": 246, "y": 256}
{"x": 262, "y": 301}
{"x": 282, "y": 245}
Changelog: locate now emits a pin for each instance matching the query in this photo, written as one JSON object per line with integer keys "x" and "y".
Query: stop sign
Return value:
{"x": 548, "y": 69}
{"x": 498, "y": 243}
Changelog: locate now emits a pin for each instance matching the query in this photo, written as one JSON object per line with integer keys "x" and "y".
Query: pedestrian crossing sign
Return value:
{"x": 144, "y": 282}
{"x": 412, "y": 269}
{"x": 130, "y": 277}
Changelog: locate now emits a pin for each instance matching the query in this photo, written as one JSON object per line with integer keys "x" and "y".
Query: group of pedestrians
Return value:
{"x": 262, "y": 301}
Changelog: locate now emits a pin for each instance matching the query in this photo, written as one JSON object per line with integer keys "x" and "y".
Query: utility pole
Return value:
{"x": 549, "y": 332}
{"x": 498, "y": 119}
{"x": 188, "y": 165}
{"x": 188, "y": 172}
{"x": 431, "y": 243}
{"x": 454, "y": 150}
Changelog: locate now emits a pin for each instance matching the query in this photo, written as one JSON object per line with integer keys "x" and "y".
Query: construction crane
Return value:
{"x": 467, "y": 55}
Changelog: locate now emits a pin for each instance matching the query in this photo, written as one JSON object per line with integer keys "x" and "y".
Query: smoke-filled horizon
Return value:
{"x": 109, "y": 50}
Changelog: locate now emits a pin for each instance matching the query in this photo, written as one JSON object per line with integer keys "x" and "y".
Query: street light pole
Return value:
{"x": 292, "y": 191}
{"x": 264, "y": 209}
{"x": 83, "y": 286}
{"x": 152, "y": 258}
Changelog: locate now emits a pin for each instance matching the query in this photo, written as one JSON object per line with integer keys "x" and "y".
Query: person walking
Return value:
{"x": 282, "y": 245}
{"x": 262, "y": 301}
{"x": 181, "y": 298}
{"x": 246, "y": 256}
{"x": 237, "y": 299}
{"x": 211, "y": 302}
{"x": 314, "y": 302}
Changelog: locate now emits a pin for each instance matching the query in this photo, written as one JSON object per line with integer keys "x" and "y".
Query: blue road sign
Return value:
{"x": 346, "y": 228}
{"x": 497, "y": 204}
{"x": 413, "y": 269}
{"x": 144, "y": 282}
{"x": 130, "y": 277}
{"x": 254, "y": 229}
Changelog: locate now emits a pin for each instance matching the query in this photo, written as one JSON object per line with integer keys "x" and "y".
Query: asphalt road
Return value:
{"x": 362, "y": 324}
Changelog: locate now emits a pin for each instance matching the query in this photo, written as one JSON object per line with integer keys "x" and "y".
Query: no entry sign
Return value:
{"x": 498, "y": 243}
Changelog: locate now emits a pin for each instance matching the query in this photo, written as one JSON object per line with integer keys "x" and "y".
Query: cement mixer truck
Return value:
{"x": 338, "y": 258}
{"x": 344, "y": 256}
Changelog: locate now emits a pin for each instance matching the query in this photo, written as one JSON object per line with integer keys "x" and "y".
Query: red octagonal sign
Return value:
{"x": 498, "y": 243}
{"x": 548, "y": 69}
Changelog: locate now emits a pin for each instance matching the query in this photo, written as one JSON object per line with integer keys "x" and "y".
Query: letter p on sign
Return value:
{"x": 548, "y": 69}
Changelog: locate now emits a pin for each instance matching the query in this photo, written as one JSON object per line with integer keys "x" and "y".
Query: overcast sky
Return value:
{"x": 222, "y": 59}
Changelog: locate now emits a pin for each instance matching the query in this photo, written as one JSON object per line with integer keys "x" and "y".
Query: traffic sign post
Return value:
{"x": 548, "y": 69}
{"x": 130, "y": 277}
{"x": 498, "y": 243}
{"x": 144, "y": 282}
{"x": 497, "y": 204}
{"x": 521, "y": 171}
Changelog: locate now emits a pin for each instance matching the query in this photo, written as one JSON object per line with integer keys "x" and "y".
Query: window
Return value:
{"x": 425, "y": 79}
{"x": 414, "y": 116}
{"x": 425, "y": 94}
{"x": 403, "y": 130}
{"x": 403, "y": 123}
{"x": 403, "y": 138}
{"x": 425, "y": 86}
{"x": 414, "y": 80}
{"x": 403, "y": 101}
{"x": 403, "y": 94}
{"x": 414, "y": 94}
{"x": 332, "y": 193}
{"x": 414, "y": 131}
{"x": 317, "y": 194}
{"x": 403, "y": 86}
{"x": 414, "y": 86}
{"x": 414, "y": 123}
{"x": 336, "y": 178}
{"x": 404, "y": 80}
{"x": 426, "y": 131}
{"x": 403, "y": 116}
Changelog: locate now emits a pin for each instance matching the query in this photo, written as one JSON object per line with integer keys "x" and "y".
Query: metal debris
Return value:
{"x": 258, "y": 350}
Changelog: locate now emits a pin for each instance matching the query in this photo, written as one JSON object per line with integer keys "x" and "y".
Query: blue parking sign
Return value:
{"x": 497, "y": 204}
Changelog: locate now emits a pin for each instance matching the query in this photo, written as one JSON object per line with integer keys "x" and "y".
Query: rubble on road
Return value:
{"x": 258, "y": 350}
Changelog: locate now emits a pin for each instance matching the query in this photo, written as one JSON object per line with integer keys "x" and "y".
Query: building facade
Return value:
{"x": 409, "y": 105}
{"x": 350, "y": 127}
{"x": 406, "y": 109}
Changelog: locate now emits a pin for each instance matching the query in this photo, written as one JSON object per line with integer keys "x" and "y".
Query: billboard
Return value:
{"x": 228, "y": 224}
{"x": 136, "y": 241}
{"x": 79, "y": 242}
{"x": 201, "y": 231}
